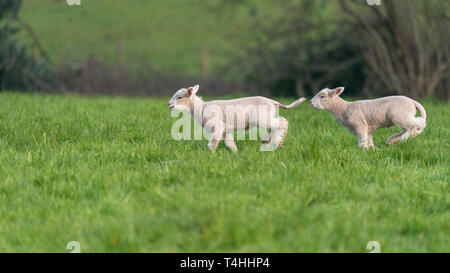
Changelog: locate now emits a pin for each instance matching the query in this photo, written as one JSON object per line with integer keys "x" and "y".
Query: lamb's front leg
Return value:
{"x": 363, "y": 137}
{"x": 216, "y": 136}
{"x": 213, "y": 143}
{"x": 371, "y": 141}
{"x": 229, "y": 141}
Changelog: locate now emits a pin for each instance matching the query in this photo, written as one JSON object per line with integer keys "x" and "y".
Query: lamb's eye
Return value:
{"x": 322, "y": 97}
{"x": 179, "y": 98}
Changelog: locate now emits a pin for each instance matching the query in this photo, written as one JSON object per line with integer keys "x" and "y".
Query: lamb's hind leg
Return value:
{"x": 418, "y": 128}
{"x": 408, "y": 131}
{"x": 411, "y": 125}
{"x": 413, "y": 130}
{"x": 279, "y": 130}
{"x": 284, "y": 126}
{"x": 395, "y": 138}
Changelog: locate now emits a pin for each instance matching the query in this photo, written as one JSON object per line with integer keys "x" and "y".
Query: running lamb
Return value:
{"x": 365, "y": 116}
{"x": 221, "y": 117}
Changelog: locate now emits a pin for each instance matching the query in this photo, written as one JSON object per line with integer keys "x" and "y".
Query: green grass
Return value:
{"x": 107, "y": 173}
{"x": 170, "y": 35}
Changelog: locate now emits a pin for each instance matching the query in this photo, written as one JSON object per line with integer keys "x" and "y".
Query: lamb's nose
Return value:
{"x": 310, "y": 104}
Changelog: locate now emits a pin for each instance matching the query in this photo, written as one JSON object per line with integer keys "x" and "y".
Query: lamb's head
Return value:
{"x": 183, "y": 99}
{"x": 325, "y": 98}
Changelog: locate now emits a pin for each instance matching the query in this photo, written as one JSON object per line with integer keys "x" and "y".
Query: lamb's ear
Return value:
{"x": 193, "y": 90}
{"x": 337, "y": 91}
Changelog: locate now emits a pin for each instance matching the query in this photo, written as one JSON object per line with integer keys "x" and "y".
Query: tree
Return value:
{"x": 405, "y": 44}
{"x": 399, "y": 47}
{"x": 21, "y": 66}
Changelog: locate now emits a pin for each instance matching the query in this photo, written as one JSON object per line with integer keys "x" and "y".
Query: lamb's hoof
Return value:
{"x": 391, "y": 142}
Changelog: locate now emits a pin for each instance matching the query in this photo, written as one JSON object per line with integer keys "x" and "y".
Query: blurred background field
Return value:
{"x": 169, "y": 35}
{"x": 280, "y": 48}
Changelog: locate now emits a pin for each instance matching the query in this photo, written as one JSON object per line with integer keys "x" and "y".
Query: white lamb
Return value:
{"x": 365, "y": 116}
{"x": 221, "y": 117}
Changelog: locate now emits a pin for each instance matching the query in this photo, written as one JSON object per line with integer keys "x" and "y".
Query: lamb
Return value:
{"x": 363, "y": 117}
{"x": 221, "y": 117}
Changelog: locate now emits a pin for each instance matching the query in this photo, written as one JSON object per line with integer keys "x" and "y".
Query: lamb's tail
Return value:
{"x": 419, "y": 107}
{"x": 423, "y": 114}
{"x": 292, "y": 105}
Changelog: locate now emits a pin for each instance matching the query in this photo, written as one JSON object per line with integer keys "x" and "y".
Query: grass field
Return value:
{"x": 106, "y": 172}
